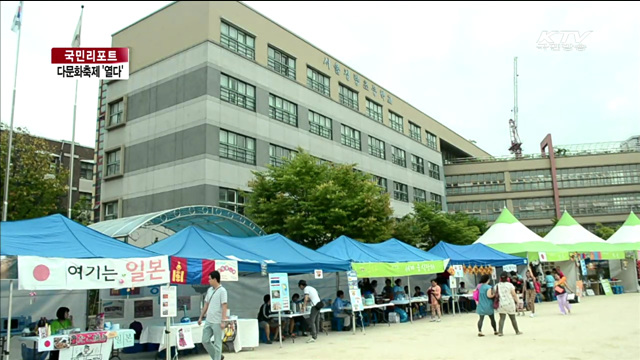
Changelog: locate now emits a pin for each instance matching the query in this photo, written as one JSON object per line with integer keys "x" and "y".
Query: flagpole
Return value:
{"x": 5, "y": 197}
{"x": 73, "y": 138}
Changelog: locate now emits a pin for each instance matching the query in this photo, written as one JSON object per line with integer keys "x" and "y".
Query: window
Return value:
{"x": 484, "y": 210}
{"x": 432, "y": 141}
{"x": 281, "y": 63}
{"x": 400, "y": 192}
{"x": 437, "y": 199}
{"x": 537, "y": 208}
{"x": 318, "y": 82}
{"x": 111, "y": 210}
{"x": 237, "y": 92}
{"x": 231, "y": 199}
{"x": 381, "y": 182}
{"x": 348, "y": 97}
{"x": 376, "y": 147}
{"x": 374, "y": 110}
{"x": 419, "y": 195}
{"x": 113, "y": 162}
{"x": 237, "y": 147}
{"x": 417, "y": 164}
{"x": 320, "y": 125}
{"x": 116, "y": 113}
{"x": 283, "y": 110}
{"x": 398, "y": 156}
{"x": 237, "y": 41}
{"x": 475, "y": 183}
{"x": 350, "y": 137}
{"x": 396, "y": 122}
{"x": 415, "y": 131}
{"x": 434, "y": 171}
{"x": 277, "y": 154}
{"x": 86, "y": 170}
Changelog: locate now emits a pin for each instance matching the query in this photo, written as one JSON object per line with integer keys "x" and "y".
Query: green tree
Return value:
{"x": 428, "y": 225}
{"x": 81, "y": 211}
{"x": 36, "y": 185}
{"x": 313, "y": 203}
{"x": 604, "y": 232}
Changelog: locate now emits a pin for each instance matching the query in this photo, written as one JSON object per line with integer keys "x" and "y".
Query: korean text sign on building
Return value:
{"x": 91, "y": 63}
{"x": 38, "y": 273}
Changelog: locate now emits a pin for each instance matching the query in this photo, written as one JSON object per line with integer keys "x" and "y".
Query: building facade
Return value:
{"x": 216, "y": 90}
{"x": 595, "y": 183}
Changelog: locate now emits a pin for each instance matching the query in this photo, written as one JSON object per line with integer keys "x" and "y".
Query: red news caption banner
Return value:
{"x": 39, "y": 273}
{"x": 91, "y": 63}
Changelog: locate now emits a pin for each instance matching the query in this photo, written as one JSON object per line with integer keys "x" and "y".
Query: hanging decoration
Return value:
{"x": 32, "y": 297}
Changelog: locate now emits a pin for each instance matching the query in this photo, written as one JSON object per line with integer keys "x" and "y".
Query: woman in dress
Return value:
{"x": 485, "y": 305}
{"x": 508, "y": 299}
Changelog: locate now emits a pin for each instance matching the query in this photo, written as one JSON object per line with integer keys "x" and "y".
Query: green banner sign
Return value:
{"x": 548, "y": 256}
{"x": 398, "y": 269}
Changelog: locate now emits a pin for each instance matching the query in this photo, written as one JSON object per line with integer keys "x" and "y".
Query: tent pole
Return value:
{"x": 280, "y": 326}
{"x": 168, "y": 333}
{"x": 6, "y": 353}
{"x": 410, "y": 305}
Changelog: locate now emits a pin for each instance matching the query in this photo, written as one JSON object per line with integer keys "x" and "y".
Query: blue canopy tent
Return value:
{"x": 276, "y": 251}
{"x": 389, "y": 258}
{"x": 475, "y": 255}
{"x": 57, "y": 236}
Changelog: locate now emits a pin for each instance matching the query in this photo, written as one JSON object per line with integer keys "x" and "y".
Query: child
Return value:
{"x": 520, "y": 309}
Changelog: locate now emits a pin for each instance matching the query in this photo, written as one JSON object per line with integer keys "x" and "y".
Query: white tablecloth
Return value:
{"x": 247, "y": 335}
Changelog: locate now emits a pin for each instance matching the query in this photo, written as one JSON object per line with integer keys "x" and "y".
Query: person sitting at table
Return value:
{"x": 64, "y": 321}
{"x": 264, "y": 321}
{"x": 419, "y": 307}
{"x": 374, "y": 286}
{"x": 339, "y": 311}
{"x": 465, "y": 303}
{"x": 302, "y": 324}
{"x": 398, "y": 291}
{"x": 387, "y": 292}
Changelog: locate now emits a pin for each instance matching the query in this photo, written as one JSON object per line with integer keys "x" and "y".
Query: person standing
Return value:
{"x": 485, "y": 305}
{"x": 530, "y": 292}
{"x": 508, "y": 299}
{"x": 311, "y": 296}
{"x": 435, "y": 296}
{"x": 215, "y": 307}
{"x": 561, "y": 288}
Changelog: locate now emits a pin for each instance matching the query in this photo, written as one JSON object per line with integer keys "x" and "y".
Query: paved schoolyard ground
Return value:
{"x": 599, "y": 328}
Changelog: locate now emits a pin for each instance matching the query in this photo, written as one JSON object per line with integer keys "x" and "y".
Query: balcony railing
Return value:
{"x": 320, "y": 130}
{"x": 375, "y": 115}
{"x": 234, "y": 97}
{"x": 281, "y": 68}
{"x": 351, "y": 142}
{"x": 238, "y": 154}
{"x": 283, "y": 116}
{"x": 318, "y": 86}
{"x": 238, "y": 47}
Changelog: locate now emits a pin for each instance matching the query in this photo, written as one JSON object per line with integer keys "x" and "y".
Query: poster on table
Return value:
{"x": 355, "y": 296}
{"x": 168, "y": 301}
{"x": 38, "y": 273}
{"x": 184, "y": 338}
{"x": 124, "y": 339}
{"x": 279, "y": 291}
{"x": 453, "y": 283}
{"x": 606, "y": 286}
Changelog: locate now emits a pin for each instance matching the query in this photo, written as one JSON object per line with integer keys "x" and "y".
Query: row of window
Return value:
{"x": 475, "y": 184}
{"x": 239, "y": 41}
{"x": 544, "y": 208}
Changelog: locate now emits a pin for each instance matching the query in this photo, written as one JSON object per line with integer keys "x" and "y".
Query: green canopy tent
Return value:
{"x": 567, "y": 233}
{"x": 627, "y": 238}
{"x": 510, "y": 236}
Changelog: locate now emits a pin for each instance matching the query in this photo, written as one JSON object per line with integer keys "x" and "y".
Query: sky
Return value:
{"x": 452, "y": 61}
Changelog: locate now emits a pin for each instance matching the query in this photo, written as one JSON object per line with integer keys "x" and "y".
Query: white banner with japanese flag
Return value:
{"x": 39, "y": 273}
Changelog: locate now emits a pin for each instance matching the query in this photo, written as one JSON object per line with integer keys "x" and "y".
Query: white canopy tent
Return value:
{"x": 627, "y": 238}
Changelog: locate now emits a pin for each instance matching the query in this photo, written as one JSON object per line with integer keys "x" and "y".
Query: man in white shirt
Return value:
{"x": 215, "y": 306}
{"x": 311, "y": 296}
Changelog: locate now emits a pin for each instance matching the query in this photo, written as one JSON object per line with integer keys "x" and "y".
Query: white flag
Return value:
{"x": 17, "y": 19}
{"x": 76, "y": 35}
